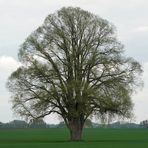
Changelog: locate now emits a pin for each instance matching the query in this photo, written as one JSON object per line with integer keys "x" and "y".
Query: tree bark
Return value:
{"x": 76, "y": 128}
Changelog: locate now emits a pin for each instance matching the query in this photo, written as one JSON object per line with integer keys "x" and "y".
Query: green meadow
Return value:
{"x": 59, "y": 138}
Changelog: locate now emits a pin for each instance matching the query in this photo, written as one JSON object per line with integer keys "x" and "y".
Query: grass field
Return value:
{"x": 58, "y": 138}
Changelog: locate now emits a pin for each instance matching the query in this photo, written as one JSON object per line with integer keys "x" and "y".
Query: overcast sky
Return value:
{"x": 18, "y": 18}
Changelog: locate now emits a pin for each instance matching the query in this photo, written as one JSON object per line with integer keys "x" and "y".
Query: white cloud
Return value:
{"x": 7, "y": 65}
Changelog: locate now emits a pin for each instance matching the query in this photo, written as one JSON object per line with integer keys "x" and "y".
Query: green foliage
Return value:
{"x": 74, "y": 66}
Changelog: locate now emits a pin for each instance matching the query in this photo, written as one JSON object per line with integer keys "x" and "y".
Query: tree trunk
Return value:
{"x": 76, "y": 127}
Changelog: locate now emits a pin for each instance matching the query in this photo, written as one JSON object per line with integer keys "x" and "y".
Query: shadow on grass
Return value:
{"x": 118, "y": 141}
{"x": 82, "y": 141}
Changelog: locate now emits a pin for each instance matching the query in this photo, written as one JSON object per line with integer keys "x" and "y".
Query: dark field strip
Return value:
{"x": 59, "y": 138}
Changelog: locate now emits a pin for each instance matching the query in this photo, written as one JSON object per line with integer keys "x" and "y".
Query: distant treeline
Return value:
{"x": 42, "y": 124}
{"x": 24, "y": 124}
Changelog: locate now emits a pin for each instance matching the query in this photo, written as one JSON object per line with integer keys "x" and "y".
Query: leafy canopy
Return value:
{"x": 74, "y": 66}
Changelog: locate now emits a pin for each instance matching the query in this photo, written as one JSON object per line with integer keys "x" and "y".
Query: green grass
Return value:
{"x": 58, "y": 138}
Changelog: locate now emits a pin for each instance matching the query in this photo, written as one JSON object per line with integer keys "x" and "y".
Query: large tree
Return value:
{"x": 74, "y": 66}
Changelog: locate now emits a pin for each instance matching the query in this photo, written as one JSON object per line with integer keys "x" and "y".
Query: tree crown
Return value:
{"x": 74, "y": 66}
